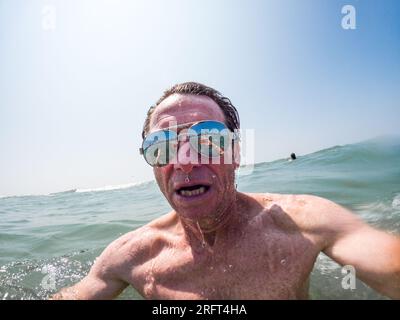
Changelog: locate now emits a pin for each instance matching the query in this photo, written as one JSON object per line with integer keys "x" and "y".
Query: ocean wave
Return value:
{"x": 382, "y": 213}
{"x": 62, "y": 192}
{"x": 83, "y": 190}
{"x": 381, "y": 207}
{"x": 24, "y": 196}
{"x": 396, "y": 202}
{"x": 114, "y": 187}
{"x": 374, "y": 151}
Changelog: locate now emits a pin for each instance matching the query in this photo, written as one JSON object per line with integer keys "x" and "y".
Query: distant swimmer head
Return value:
{"x": 293, "y": 156}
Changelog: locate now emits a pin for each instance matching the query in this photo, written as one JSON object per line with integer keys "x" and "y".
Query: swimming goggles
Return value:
{"x": 209, "y": 139}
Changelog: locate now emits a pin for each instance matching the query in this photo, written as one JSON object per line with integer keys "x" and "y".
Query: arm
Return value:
{"x": 373, "y": 253}
{"x": 104, "y": 278}
{"x": 95, "y": 286}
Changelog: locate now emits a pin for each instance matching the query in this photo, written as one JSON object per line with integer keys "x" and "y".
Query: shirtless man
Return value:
{"x": 218, "y": 243}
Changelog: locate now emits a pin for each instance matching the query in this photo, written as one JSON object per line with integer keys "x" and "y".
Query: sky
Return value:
{"x": 77, "y": 78}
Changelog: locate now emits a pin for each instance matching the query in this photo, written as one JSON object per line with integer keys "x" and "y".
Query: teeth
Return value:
{"x": 190, "y": 193}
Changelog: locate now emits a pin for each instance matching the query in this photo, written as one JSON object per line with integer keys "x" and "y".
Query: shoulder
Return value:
{"x": 314, "y": 212}
{"x": 308, "y": 214}
{"x": 135, "y": 247}
{"x": 295, "y": 205}
{"x": 303, "y": 208}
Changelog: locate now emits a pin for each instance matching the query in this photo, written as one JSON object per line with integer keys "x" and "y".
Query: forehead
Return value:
{"x": 183, "y": 108}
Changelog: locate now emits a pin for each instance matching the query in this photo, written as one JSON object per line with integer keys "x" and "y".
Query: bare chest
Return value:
{"x": 254, "y": 266}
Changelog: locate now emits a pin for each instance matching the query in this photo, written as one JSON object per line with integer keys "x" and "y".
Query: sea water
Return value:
{"x": 50, "y": 241}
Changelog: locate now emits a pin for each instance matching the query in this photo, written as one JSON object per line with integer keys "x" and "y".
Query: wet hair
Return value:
{"x": 231, "y": 114}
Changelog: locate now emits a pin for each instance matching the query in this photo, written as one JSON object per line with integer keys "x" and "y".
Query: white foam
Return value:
{"x": 24, "y": 195}
{"x": 104, "y": 188}
{"x": 396, "y": 202}
{"x": 113, "y": 187}
{"x": 376, "y": 207}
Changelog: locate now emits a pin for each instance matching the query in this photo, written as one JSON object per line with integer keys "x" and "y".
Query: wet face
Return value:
{"x": 211, "y": 187}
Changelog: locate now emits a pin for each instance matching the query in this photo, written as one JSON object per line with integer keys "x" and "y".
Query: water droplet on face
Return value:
{"x": 283, "y": 261}
{"x": 214, "y": 176}
{"x": 230, "y": 266}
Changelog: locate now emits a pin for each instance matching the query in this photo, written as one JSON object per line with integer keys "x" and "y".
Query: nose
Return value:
{"x": 186, "y": 158}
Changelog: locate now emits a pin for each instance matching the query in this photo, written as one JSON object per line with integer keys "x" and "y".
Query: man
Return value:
{"x": 218, "y": 243}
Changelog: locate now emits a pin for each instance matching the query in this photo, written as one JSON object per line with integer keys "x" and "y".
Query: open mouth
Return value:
{"x": 193, "y": 191}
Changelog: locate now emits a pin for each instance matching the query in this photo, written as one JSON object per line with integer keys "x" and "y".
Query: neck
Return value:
{"x": 208, "y": 229}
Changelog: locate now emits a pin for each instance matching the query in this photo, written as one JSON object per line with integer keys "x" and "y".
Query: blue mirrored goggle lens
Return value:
{"x": 208, "y": 138}
{"x": 160, "y": 147}
{"x": 211, "y": 138}
{"x": 159, "y": 154}
{"x": 161, "y": 136}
